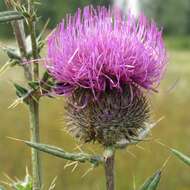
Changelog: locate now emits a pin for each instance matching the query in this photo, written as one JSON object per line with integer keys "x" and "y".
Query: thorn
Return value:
{"x": 140, "y": 139}
{"x": 165, "y": 163}
{"x": 69, "y": 163}
{"x": 78, "y": 147}
{"x": 5, "y": 67}
{"x": 41, "y": 90}
{"x": 27, "y": 172}
{"x": 11, "y": 180}
{"x": 5, "y": 183}
{"x": 132, "y": 154}
{"x": 49, "y": 35}
{"x": 52, "y": 185}
{"x": 162, "y": 144}
{"x": 15, "y": 139}
{"x": 34, "y": 98}
{"x": 75, "y": 166}
{"x": 44, "y": 28}
{"x": 88, "y": 171}
{"x": 16, "y": 103}
{"x": 156, "y": 122}
{"x": 140, "y": 147}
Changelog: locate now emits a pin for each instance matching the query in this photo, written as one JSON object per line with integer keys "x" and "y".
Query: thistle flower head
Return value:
{"x": 98, "y": 49}
{"x": 106, "y": 62}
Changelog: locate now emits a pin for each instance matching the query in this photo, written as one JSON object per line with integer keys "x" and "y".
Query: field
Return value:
{"x": 132, "y": 165}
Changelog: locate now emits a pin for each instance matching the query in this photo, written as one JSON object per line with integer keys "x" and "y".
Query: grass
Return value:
{"x": 178, "y": 42}
{"x": 172, "y": 102}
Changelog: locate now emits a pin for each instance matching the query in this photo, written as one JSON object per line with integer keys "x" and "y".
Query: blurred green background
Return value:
{"x": 172, "y": 102}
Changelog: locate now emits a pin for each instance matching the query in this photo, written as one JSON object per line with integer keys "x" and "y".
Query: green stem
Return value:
{"x": 19, "y": 32}
{"x": 35, "y": 66}
{"x": 35, "y": 137}
{"x": 109, "y": 156}
{"x": 34, "y": 105}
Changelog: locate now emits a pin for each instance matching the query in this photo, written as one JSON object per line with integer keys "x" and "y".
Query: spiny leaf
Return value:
{"x": 8, "y": 16}
{"x": 12, "y": 53}
{"x": 7, "y": 13}
{"x": 58, "y": 152}
{"x": 181, "y": 156}
{"x": 20, "y": 91}
{"x": 46, "y": 76}
{"x": 155, "y": 182}
{"x": 152, "y": 182}
{"x": 25, "y": 184}
{"x": 33, "y": 84}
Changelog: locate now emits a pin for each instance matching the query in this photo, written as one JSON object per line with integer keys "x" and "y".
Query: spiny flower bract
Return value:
{"x": 99, "y": 48}
{"x": 115, "y": 117}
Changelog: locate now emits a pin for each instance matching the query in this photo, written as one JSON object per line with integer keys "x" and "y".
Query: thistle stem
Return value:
{"x": 109, "y": 156}
{"x": 18, "y": 28}
{"x": 19, "y": 32}
{"x": 34, "y": 137}
{"x": 34, "y": 104}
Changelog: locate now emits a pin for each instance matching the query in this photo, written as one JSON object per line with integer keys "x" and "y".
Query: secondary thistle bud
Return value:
{"x": 104, "y": 63}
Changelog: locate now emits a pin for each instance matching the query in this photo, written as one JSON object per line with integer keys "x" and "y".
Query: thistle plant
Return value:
{"x": 105, "y": 65}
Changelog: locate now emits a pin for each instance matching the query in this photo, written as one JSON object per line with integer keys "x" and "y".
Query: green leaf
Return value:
{"x": 8, "y": 16}
{"x": 20, "y": 91}
{"x": 181, "y": 156}
{"x": 46, "y": 76}
{"x": 25, "y": 184}
{"x": 7, "y": 13}
{"x": 12, "y": 53}
{"x": 58, "y": 152}
{"x": 2, "y": 188}
{"x": 33, "y": 84}
{"x": 155, "y": 182}
{"x": 152, "y": 182}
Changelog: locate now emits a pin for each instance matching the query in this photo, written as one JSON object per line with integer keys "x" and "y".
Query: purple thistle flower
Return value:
{"x": 105, "y": 62}
{"x": 99, "y": 48}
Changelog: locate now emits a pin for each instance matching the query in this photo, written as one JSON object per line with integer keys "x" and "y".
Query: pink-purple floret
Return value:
{"x": 98, "y": 49}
